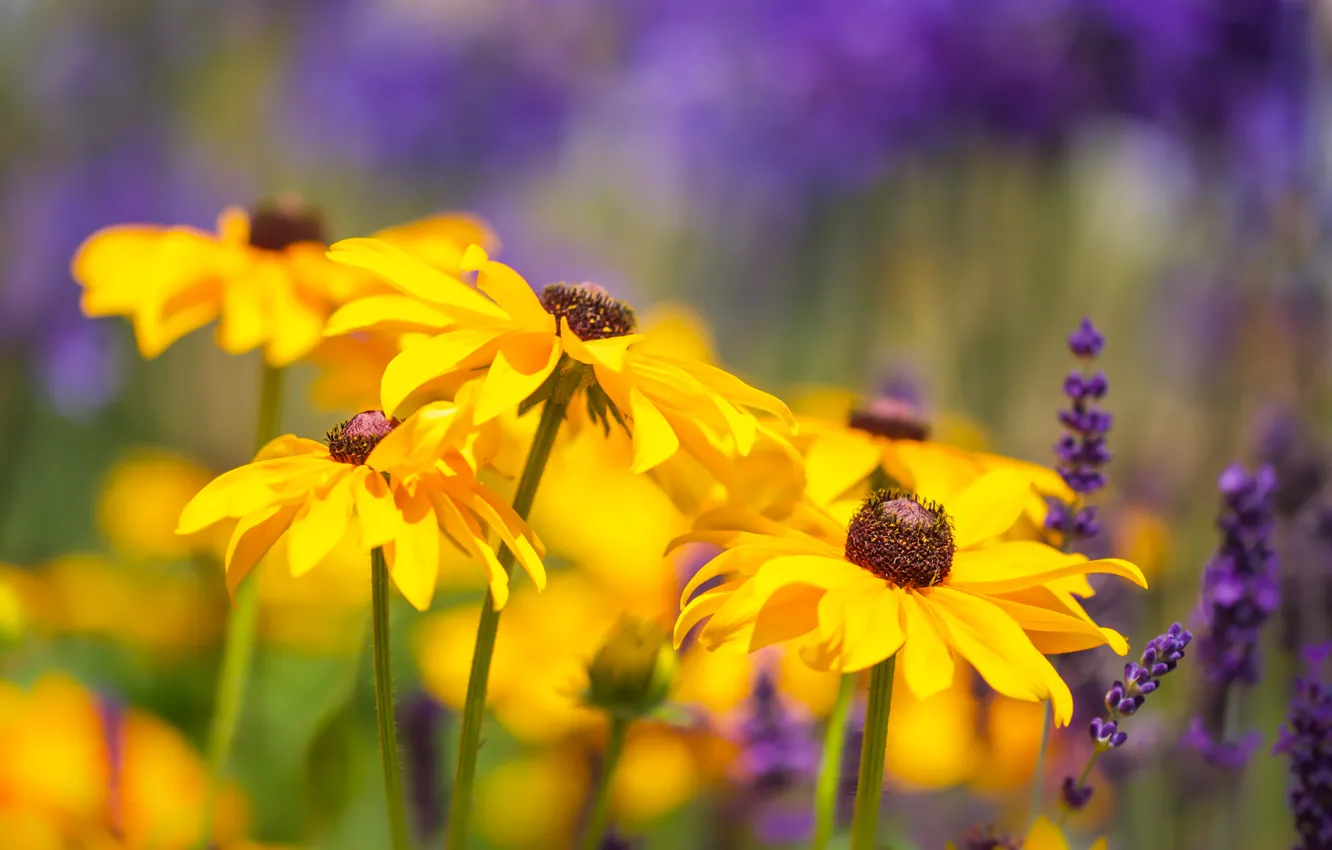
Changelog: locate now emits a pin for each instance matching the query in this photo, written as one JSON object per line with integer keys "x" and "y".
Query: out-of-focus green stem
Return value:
{"x": 238, "y": 650}
{"x": 600, "y": 812}
{"x": 830, "y": 765}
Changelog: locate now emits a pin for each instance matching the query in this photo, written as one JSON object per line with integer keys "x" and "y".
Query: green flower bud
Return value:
{"x": 634, "y": 670}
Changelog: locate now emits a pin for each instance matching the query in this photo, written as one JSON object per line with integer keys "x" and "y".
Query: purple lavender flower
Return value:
{"x": 613, "y": 840}
{"x": 1240, "y": 592}
{"x": 1307, "y": 740}
{"x": 777, "y": 756}
{"x": 422, "y": 719}
{"x": 1160, "y": 656}
{"x": 1082, "y": 451}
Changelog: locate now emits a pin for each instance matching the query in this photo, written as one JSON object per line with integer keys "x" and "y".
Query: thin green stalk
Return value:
{"x": 830, "y": 766}
{"x": 869, "y": 788}
{"x": 238, "y": 650}
{"x": 600, "y": 812}
{"x": 474, "y": 706}
{"x": 1038, "y": 776}
{"x": 388, "y": 728}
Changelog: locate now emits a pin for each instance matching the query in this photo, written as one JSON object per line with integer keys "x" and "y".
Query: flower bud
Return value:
{"x": 634, "y": 670}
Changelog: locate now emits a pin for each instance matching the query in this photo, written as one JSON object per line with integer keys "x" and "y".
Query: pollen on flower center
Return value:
{"x": 894, "y": 418}
{"x": 901, "y": 539}
{"x": 591, "y": 312}
{"x": 285, "y": 222}
{"x": 353, "y": 440}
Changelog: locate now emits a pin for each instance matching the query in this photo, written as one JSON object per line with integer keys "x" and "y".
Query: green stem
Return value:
{"x": 238, "y": 650}
{"x": 1065, "y": 811}
{"x": 1038, "y": 775}
{"x": 474, "y": 706}
{"x": 830, "y": 766}
{"x": 873, "y": 749}
{"x": 600, "y": 812}
{"x": 388, "y": 733}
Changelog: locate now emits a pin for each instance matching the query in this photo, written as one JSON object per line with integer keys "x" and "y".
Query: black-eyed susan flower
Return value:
{"x": 1043, "y": 835}
{"x": 511, "y": 340}
{"x": 930, "y": 580}
{"x": 264, "y": 274}
{"x": 369, "y": 478}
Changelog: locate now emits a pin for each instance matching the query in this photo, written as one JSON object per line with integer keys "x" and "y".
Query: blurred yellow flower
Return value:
{"x": 76, "y": 773}
{"x": 513, "y": 340}
{"x": 263, "y": 273}
{"x": 140, "y": 499}
{"x": 11, "y": 612}
{"x": 92, "y": 595}
{"x": 905, "y": 574}
{"x": 368, "y": 480}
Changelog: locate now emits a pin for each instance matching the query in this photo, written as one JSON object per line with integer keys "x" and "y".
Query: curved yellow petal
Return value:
{"x": 514, "y": 532}
{"x": 700, "y": 608}
{"x": 413, "y": 277}
{"x": 733, "y": 389}
{"x": 863, "y": 617}
{"x": 392, "y": 312}
{"x": 319, "y": 525}
{"x": 512, "y": 293}
{"x": 654, "y": 439}
{"x": 413, "y": 557}
{"x": 927, "y": 662}
{"x": 1054, "y": 633}
{"x": 428, "y": 359}
{"x": 998, "y": 649}
{"x": 248, "y": 489}
{"x": 253, "y": 537}
{"x": 520, "y": 367}
{"x": 375, "y": 507}
{"x": 988, "y": 507}
{"x": 936, "y": 471}
{"x": 610, "y": 352}
{"x": 1019, "y": 564}
{"x": 836, "y": 462}
{"x": 465, "y": 533}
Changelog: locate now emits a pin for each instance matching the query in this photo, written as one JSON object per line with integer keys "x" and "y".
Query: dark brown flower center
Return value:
{"x": 353, "y": 440}
{"x": 591, "y": 312}
{"x": 285, "y": 222}
{"x": 901, "y": 539}
{"x": 894, "y": 418}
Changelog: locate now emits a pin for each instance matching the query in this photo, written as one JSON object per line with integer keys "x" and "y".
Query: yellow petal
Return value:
{"x": 836, "y": 462}
{"x": 467, "y": 535}
{"x": 1056, "y": 633}
{"x": 987, "y": 508}
{"x": 413, "y": 277}
{"x": 1044, "y": 836}
{"x": 375, "y": 507}
{"x": 521, "y": 366}
{"x": 253, "y": 537}
{"x": 654, "y": 439}
{"x": 998, "y": 649}
{"x": 513, "y": 531}
{"x": 864, "y": 616}
{"x": 927, "y": 662}
{"x": 395, "y": 313}
{"x": 701, "y": 607}
{"x": 734, "y": 389}
{"x": 935, "y": 471}
{"x": 1019, "y": 564}
{"x": 609, "y": 352}
{"x": 429, "y": 359}
{"x": 319, "y": 525}
{"x": 413, "y": 558}
{"x": 245, "y": 316}
{"x": 511, "y": 292}
{"x": 248, "y": 489}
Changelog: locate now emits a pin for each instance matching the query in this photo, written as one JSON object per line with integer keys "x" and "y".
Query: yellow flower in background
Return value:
{"x": 926, "y": 578}
{"x": 77, "y": 772}
{"x": 511, "y": 340}
{"x": 264, "y": 274}
{"x": 140, "y": 499}
{"x": 370, "y": 480}
{"x": 95, "y": 596}
{"x": 1043, "y": 835}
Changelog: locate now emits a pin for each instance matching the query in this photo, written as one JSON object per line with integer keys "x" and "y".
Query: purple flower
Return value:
{"x": 778, "y": 756}
{"x": 1082, "y": 451}
{"x": 1160, "y": 657}
{"x": 1307, "y": 740}
{"x": 422, "y": 720}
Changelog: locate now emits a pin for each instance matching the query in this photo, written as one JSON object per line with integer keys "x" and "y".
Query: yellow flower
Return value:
{"x": 1044, "y": 835}
{"x": 511, "y": 340}
{"x": 264, "y": 274}
{"x": 61, "y": 777}
{"x": 140, "y": 500}
{"x": 906, "y": 574}
{"x": 370, "y": 479}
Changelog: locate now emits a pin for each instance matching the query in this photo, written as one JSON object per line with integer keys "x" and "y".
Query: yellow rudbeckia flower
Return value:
{"x": 263, "y": 273}
{"x": 511, "y": 340}
{"x": 906, "y": 574}
{"x": 370, "y": 478}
